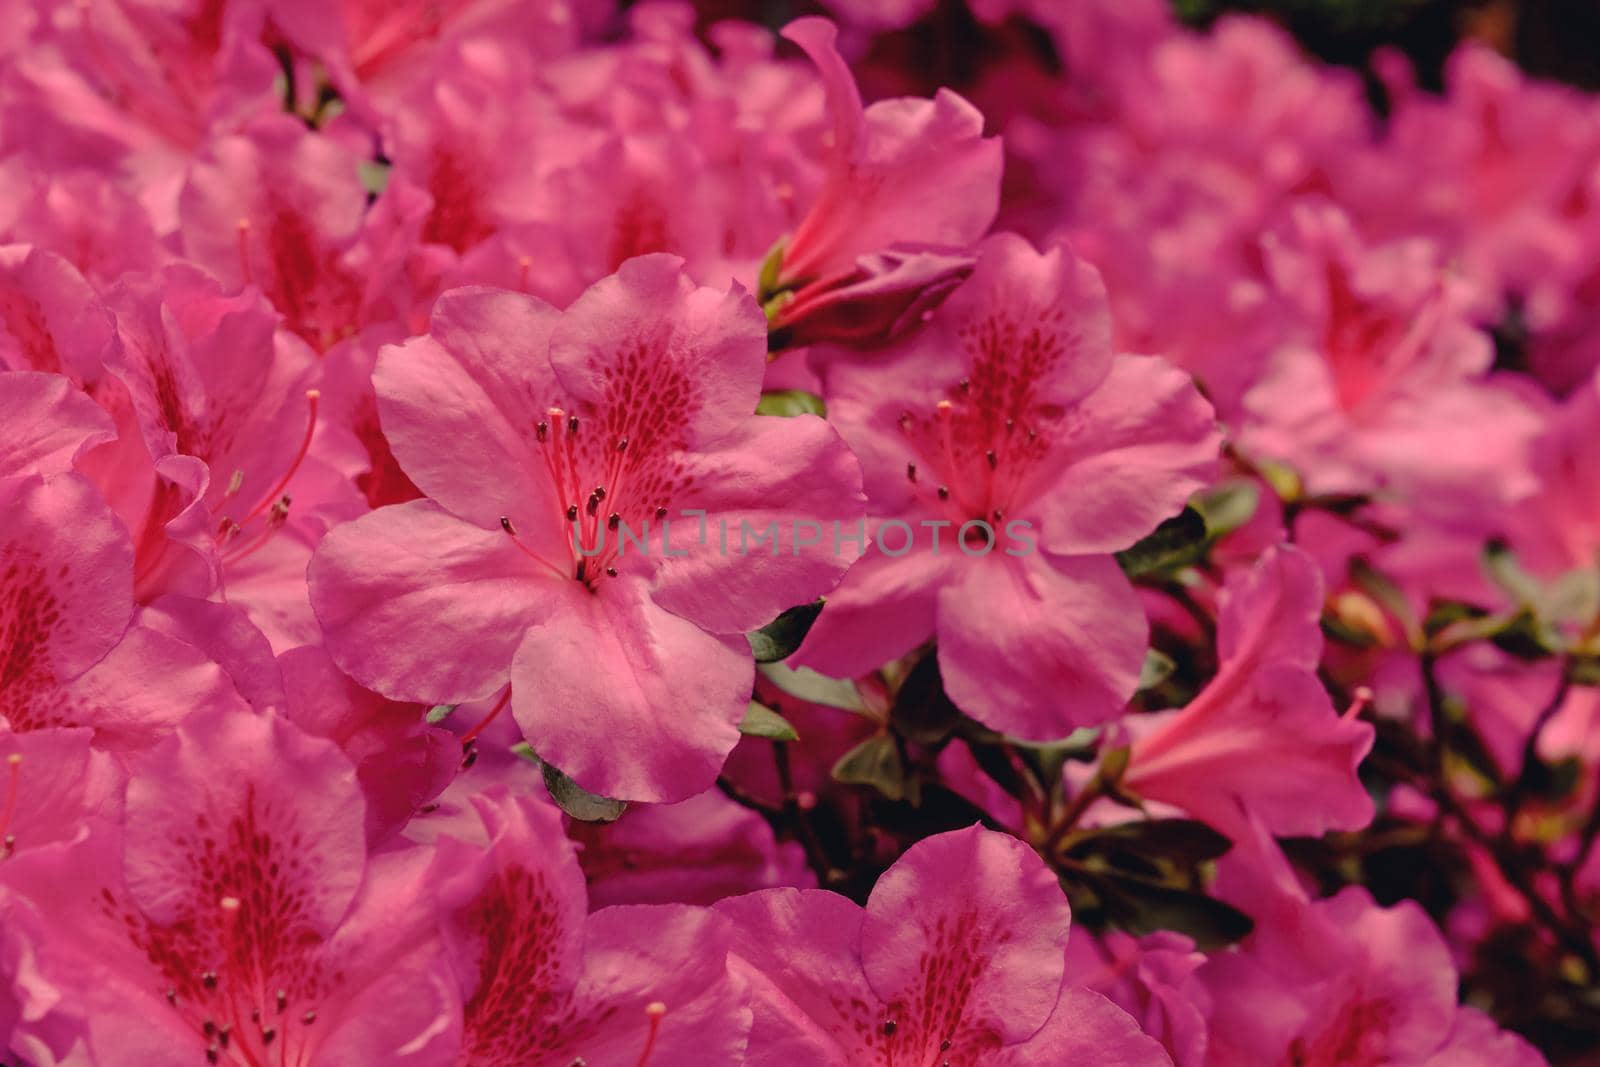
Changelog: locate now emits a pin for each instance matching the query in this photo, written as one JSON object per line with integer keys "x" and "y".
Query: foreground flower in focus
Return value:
{"x": 958, "y": 958}
{"x": 550, "y": 446}
{"x": 1007, "y": 455}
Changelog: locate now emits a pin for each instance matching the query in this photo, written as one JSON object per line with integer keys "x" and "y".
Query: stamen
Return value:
{"x": 572, "y": 513}
{"x": 499, "y": 705}
{"x": 542, "y": 430}
{"x": 511, "y": 532}
{"x": 244, "y": 251}
{"x": 13, "y": 795}
{"x": 911, "y": 472}
{"x": 622, "y": 445}
{"x": 661, "y": 513}
{"x": 572, "y": 424}
{"x": 1358, "y": 703}
{"x": 654, "y": 1011}
{"x": 313, "y": 398}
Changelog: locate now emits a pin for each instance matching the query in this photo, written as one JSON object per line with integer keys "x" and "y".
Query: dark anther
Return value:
{"x": 911, "y": 471}
{"x": 572, "y": 513}
{"x": 994, "y": 461}
{"x": 611, "y": 571}
{"x": 267, "y": 1035}
{"x": 944, "y": 493}
{"x": 622, "y": 445}
{"x": 505, "y": 524}
{"x": 889, "y": 1027}
{"x": 309, "y": 1017}
{"x": 213, "y": 1054}
{"x": 283, "y": 999}
{"x": 469, "y": 757}
{"x": 661, "y": 513}
{"x": 965, "y": 385}
{"x": 209, "y": 979}
{"x": 613, "y": 521}
{"x": 543, "y": 429}
{"x": 572, "y": 424}
{"x": 594, "y": 502}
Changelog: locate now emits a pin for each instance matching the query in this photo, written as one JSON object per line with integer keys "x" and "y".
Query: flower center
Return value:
{"x": 970, "y": 454}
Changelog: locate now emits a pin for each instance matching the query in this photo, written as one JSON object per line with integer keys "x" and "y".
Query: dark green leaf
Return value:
{"x": 875, "y": 762}
{"x": 1158, "y": 667}
{"x": 1143, "y": 906}
{"x": 1185, "y": 842}
{"x": 761, "y": 721}
{"x": 803, "y": 683}
{"x": 1177, "y": 543}
{"x": 1228, "y": 505}
{"x": 577, "y": 801}
{"x": 787, "y": 402}
{"x": 779, "y": 638}
{"x": 922, "y": 712}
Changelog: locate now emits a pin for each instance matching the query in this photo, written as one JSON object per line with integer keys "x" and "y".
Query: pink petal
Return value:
{"x": 790, "y": 477}
{"x": 967, "y": 931}
{"x": 1040, "y": 645}
{"x": 245, "y": 806}
{"x": 648, "y": 356}
{"x": 421, "y": 606}
{"x": 1134, "y": 451}
{"x": 661, "y": 699}
{"x": 460, "y": 406}
{"x": 46, "y": 424}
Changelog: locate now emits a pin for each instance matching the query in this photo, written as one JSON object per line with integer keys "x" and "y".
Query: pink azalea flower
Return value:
{"x": 1008, "y": 427}
{"x": 374, "y": 51}
{"x": 1154, "y": 979}
{"x": 694, "y": 852}
{"x": 226, "y": 472}
{"x": 134, "y": 87}
{"x": 237, "y": 919}
{"x": 957, "y": 958}
{"x": 1262, "y": 736}
{"x": 1385, "y": 386}
{"x": 537, "y": 436}
{"x": 904, "y": 170}
{"x": 546, "y": 986}
{"x": 1383, "y": 994}
{"x": 278, "y": 206}
{"x": 74, "y": 655}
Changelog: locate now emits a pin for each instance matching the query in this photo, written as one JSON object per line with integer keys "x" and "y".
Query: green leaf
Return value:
{"x": 922, "y": 712}
{"x": 1185, "y": 842}
{"x": 771, "y": 270}
{"x": 806, "y": 684}
{"x": 374, "y": 175}
{"x": 1227, "y": 506}
{"x": 577, "y": 801}
{"x": 779, "y": 638}
{"x": 439, "y": 713}
{"x": 1503, "y": 569}
{"x": 1177, "y": 543}
{"x": 761, "y": 721}
{"x": 789, "y": 402}
{"x": 875, "y": 762}
{"x": 1143, "y": 906}
{"x": 1382, "y": 589}
{"x": 1158, "y": 667}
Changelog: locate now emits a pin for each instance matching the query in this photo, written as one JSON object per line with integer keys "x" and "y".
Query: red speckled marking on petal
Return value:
{"x": 30, "y": 613}
{"x": 521, "y": 1007}
{"x": 243, "y": 952}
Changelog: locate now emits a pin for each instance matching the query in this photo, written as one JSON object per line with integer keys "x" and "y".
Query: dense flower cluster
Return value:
{"x": 541, "y": 535}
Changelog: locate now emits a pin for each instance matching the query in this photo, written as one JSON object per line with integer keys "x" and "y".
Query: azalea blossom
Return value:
{"x": 1009, "y": 412}
{"x": 536, "y": 435}
{"x": 957, "y": 958}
